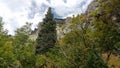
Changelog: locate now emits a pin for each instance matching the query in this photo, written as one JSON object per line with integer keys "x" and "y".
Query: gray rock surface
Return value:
{"x": 93, "y": 6}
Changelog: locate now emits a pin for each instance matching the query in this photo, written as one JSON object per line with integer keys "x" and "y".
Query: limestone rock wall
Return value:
{"x": 61, "y": 28}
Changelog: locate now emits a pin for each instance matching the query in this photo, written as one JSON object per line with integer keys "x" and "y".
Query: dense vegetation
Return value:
{"x": 93, "y": 42}
{"x": 47, "y": 33}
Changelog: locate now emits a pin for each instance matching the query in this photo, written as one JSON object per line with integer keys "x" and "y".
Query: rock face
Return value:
{"x": 33, "y": 35}
{"x": 93, "y": 6}
{"x": 63, "y": 24}
{"x": 61, "y": 27}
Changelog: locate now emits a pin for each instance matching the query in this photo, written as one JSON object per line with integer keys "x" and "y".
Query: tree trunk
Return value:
{"x": 108, "y": 57}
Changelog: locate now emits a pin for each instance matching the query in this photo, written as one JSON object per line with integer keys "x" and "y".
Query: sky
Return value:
{"x": 16, "y": 13}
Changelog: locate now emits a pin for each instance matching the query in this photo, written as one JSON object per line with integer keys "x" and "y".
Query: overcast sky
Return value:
{"x": 16, "y": 13}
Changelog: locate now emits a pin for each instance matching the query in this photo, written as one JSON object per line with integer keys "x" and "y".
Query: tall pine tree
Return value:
{"x": 47, "y": 33}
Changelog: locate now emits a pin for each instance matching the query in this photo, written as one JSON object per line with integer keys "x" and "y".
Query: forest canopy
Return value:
{"x": 92, "y": 40}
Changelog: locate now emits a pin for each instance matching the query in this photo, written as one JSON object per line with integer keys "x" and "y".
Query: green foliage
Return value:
{"x": 94, "y": 60}
{"x": 7, "y": 57}
{"x": 24, "y": 48}
{"x": 22, "y": 35}
{"x": 73, "y": 49}
{"x": 106, "y": 26}
{"x": 26, "y": 55}
{"x": 52, "y": 59}
{"x": 47, "y": 34}
{"x": 92, "y": 35}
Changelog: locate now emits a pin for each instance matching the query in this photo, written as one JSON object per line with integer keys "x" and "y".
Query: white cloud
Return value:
{"x": 13, "y": 13}
{"x": 16, "y": 12}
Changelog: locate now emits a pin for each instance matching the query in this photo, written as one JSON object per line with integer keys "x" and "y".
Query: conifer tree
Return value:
{"x": 47, "y": 33}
